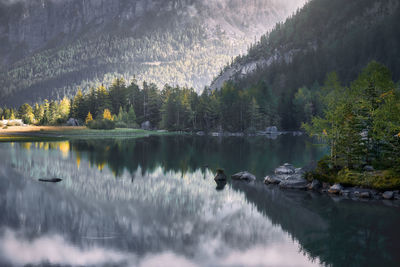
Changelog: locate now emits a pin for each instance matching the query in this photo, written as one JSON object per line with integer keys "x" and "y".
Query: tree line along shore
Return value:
{"x": 360, "y": 121}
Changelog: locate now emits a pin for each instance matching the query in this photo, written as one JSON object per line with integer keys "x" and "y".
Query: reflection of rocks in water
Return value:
{"x": 50, "y": 180}
{"x": 184, "y": 213}
{"x": 220, "y": 184}
{"x": 338, "y": 232}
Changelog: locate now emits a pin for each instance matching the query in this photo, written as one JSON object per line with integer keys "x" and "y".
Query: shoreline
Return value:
{"x": 54, "y": 133}
{"x": 22, "y": 133}
{"x": 289, "y": 177}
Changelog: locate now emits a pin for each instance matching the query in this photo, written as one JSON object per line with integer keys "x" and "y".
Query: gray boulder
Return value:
{"x": 315, "y": 185}
{"x": 146, "y": 125}
{"x": 72, "y": 122}
{"x": 272, "y": 179}
{"x": 388, "y": 195}
{"x": 285, "y": 169}
{"x": 335, "y": 189}
{"x": 244, "y": 176}
{"x": 271, "y": 130}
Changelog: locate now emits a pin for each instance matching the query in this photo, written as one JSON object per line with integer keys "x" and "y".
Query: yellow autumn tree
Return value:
{"x": 107, "y": 115}
{"x": 89, "y": 118}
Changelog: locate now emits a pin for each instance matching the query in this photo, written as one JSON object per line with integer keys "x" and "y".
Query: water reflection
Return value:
{"x": 175, "y": 216}
{"x": 185, "y": 153}
{"x": 164, "y": 208}
{"x": 220, "y": 185}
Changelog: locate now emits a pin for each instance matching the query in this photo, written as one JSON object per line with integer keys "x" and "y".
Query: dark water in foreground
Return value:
{"x": 153, "y": 202}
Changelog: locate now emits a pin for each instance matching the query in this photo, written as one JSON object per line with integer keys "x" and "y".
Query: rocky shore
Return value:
{"x": 289, "y": 177}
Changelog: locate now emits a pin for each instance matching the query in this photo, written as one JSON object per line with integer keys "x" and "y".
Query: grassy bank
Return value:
{"x": 46, "y": 133}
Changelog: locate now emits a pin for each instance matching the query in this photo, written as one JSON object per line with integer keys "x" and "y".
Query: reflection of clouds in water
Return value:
{"x": 54, "y": 250}
{"x": 159, "y": 212}
{"x": 281, "y": 255}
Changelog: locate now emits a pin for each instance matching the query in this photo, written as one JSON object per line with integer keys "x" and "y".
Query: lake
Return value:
{"x": 153, "y": 202}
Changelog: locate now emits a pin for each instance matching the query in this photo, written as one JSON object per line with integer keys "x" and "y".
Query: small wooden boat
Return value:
{"x": 50, "y": 180}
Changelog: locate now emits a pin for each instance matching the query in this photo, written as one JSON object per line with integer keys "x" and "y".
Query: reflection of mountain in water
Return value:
{"x": 160, "y": 211}
{"x": 164, "y": 199}
{"x": 338, "y": 232}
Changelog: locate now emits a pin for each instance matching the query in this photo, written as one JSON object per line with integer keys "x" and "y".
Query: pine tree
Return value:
{"x": 118, "y": 95}
{"x": 78, "y": 110}
{"x": 103, "y": 100}
{"x": 131, "y": 116}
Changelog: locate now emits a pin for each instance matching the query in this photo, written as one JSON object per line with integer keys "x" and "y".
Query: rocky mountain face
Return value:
{"x": 323, "y": 36}
{"x": 49, "y": 47}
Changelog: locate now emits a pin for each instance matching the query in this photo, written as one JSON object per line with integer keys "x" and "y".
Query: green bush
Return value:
{"x": 381, "y": 180}
{"x": 324, "y": 171}
{"x": 121, "y": 124}
{"x": 103, "y": 124}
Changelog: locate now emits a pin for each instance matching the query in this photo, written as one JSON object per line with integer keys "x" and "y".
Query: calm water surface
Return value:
{"x": 153, "y": 202}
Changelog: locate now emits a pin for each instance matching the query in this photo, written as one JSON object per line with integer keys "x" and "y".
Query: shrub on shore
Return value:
{"x": 378, "y": 179}
{"x": 103, "y": 124}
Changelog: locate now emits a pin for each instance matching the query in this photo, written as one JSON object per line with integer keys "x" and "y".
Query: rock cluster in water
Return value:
{"x": 289, "y": 177}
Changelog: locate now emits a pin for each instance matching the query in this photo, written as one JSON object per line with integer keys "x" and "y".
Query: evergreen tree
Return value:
{"x": 25, "y": 112}
{"x": 135, "y": 98}
{"x": 38, "y": 112}
{"x": 78, "y": 110}
{"x": 131, "y": 116}
{"x": 118, "y": 95}
{"x": 103, "y": 100}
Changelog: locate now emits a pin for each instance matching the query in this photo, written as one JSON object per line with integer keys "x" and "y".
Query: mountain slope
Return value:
{"x": 50, "y": 47}
{"x": 322, "y": 37}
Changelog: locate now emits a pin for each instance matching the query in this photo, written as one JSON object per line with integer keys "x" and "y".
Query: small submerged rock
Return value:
{"x": 244, "y": 176}
{"x": 220, "y": 176}
{"x": 50, "y": 180}
{"x": 388, "y": 195}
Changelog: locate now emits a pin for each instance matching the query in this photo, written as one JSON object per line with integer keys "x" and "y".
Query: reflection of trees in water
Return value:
{"x": 187, "y": 153}
{"x": 155, "y": 213}
{"x": 339, "y": 233}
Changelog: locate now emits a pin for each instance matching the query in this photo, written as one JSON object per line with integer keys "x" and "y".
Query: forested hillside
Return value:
{"x": 292, "y": 61}
{"x": 50, "y": 48}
